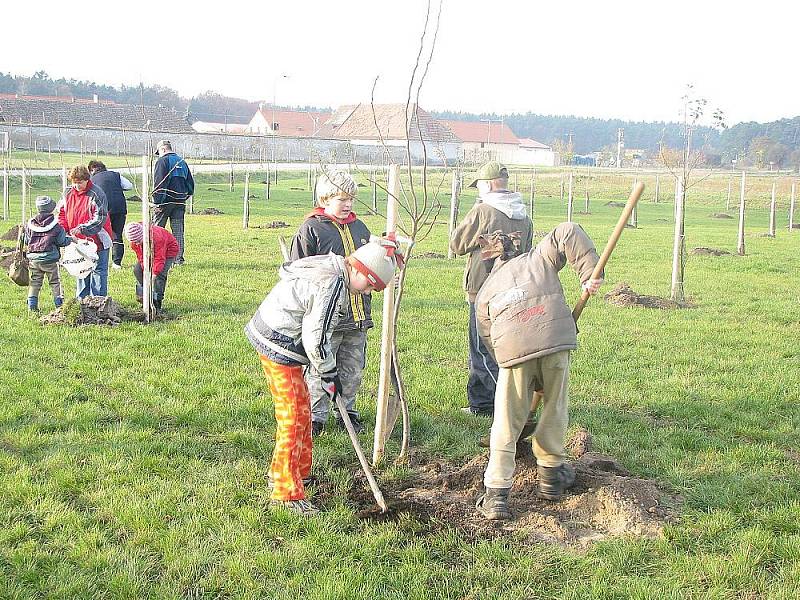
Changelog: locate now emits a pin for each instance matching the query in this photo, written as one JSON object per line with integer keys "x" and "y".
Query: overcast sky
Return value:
{"x": 618, "y": 59}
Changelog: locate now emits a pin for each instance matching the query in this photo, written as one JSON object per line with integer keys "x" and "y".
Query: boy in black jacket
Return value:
{"x": 333, "y": 227}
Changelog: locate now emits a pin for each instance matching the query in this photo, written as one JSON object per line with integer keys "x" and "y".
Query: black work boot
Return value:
{"x": 493, "y": 504}
{"x": 554, "y": 480}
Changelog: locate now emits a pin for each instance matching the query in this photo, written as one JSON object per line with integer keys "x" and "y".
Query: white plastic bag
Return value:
{"x": 80, "y": 258}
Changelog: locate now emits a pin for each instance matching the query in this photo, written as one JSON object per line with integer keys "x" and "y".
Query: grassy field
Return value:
{"x": 133, "y": 459}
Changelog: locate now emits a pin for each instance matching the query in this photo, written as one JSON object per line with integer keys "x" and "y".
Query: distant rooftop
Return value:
{"x": 88, "y": 112}
{"x": 357, "y": 121}
{"x": 495, "y": 132}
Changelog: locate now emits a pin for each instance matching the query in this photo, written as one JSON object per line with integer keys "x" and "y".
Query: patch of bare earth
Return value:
{"x": 93, "y": 310}
{"x": 623, "y": 295}
{"x": 704, "y": 251}
{"x": 274, "y": 225}
{"x": 605, "y": 502}
{"x": 211, "y": 211}
{"x": 11, "y": 234}
{"x": 431, "y": 255}
{"x": 721, "y": 216}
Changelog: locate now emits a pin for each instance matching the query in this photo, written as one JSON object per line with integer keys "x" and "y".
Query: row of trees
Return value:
{"x": 751, "y": 145}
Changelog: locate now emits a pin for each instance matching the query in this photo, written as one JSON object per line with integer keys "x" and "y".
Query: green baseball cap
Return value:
{"x": 488, "y": 171}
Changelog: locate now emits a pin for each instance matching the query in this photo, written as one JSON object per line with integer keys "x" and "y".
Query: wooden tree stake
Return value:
{"x": 387, "y": 333}
{"x": 454, "y": 191}
{"x": 147, "y": 254}
{"x": 772, "y": 212}
{"x": 740, "y": 245}
{"x": 246, "y": 201}
{"x": 791, "y": 206}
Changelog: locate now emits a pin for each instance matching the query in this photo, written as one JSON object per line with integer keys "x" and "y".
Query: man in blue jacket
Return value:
{"x": 172, "y": 186}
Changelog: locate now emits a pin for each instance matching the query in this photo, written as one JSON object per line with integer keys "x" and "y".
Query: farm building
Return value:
{"x": 429, "y": 137}
{"x": 291, "y": 123}
{"x": 531, "y": 152}
{"x": 485, "y": 140}
{"x": 69, "y": 112}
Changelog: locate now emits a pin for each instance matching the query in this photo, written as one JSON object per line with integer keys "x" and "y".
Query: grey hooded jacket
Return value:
{"x": 294, "y": 323}
{"x": 502, "y": 211}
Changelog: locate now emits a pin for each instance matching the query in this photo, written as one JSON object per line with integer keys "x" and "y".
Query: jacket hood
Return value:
{"x": 508, "y": 203}
{"x": 309, "y": 267}
{"x": 42, "y": 223}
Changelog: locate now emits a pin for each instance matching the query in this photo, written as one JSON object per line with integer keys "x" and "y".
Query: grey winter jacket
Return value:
{"x": 521, "y": 309}
{"x": 294, "y": 323}
{"x": 482, "y": 219}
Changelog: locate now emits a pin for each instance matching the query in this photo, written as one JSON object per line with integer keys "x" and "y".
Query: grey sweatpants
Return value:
{"x": 350, "y": 348}
{"x": 38, "y": 272}
{"x": 512, "y": 405}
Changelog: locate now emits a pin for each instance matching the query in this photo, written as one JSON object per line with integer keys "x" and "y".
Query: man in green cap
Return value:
{"x": 496, "y": 209}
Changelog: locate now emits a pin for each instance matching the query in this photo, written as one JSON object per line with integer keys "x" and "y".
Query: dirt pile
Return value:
{"x": 431, "y": 255}
{"x": 606, "y": 501}
{"x": 134, "y": 198}
{"x": 274, "y": 225}
{"x": 93, "y": 310}
{"x": 704, "y": 251}
{"x": 11, "y": 234}
{"x": 6, "y": 256}
{"x": 211, "y": 211}
{"x": 623, "y": 295}
{"x": 721, "y": 216}
{"x": 615, "y": 204}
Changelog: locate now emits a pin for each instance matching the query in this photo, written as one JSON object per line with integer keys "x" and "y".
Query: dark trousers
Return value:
{"x": 118, "y": 246}
{"x": 159, "y": 281}
{"x": 482, "y": 369}
{"x": 175, "y": 212}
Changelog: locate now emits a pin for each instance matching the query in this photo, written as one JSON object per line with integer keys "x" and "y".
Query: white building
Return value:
{"x": 531, "y": 152}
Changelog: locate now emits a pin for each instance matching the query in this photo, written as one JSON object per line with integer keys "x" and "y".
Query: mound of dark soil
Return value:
{"x": 605, "y": 502}
{"x": 211, "y": 211}
{"x": 795, "y": 225}
{"x": 213, "y": 189}
{"x": 274, "y": 225}
{"x": 623, "y": 295}
{"x": 6, "y": 257}
{"x": 431, "y": 255}
{"x": 93, "y": 310}
{"x": 133, "y": 198}
{"x": 616, "y": 204}
{"x": 11, "y": 234}
{"x": 704, "y": 251}
{"x": 721, "y": 216}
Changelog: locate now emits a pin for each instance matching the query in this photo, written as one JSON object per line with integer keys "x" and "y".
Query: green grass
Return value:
{"x": 132, "y": 459}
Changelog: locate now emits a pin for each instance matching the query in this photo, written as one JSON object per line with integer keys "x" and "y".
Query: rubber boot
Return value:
{"x": 58, "y": 301}
{"x": 493, "y": 504}
{"x": 33, "y": 304}
{"x": 553, "y": 481}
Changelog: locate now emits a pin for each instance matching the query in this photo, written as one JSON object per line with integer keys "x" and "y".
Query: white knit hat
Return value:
{"x": 377, "y": 261}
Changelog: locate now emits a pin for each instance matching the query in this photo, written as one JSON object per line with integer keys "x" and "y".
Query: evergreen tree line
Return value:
{"x": 760, "y": 145}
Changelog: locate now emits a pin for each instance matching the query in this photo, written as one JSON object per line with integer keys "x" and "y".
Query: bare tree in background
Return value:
{"x": 681, "y": 163}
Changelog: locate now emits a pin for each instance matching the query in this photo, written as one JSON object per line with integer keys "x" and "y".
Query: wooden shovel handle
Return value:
{"x": 612, "y": 242}
{"x": 601, "y": 264}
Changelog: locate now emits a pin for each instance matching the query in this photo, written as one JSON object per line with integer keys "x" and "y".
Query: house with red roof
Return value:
{"x": 494, "y": 140}
{"x": 288, "y": 123}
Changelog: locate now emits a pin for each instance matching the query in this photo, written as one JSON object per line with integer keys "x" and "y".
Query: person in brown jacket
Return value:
{"x": 497, "y": 209}
{"x": 523, "y": 318}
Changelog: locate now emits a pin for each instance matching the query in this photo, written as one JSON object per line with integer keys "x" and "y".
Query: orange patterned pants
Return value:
{"x": 291, "y": 460}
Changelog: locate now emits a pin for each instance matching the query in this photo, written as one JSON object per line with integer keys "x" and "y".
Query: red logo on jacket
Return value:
{"x": 527, "y": 314}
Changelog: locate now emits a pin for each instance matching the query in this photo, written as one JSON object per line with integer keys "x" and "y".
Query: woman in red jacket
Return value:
{"x": 83, "y": 213}
{"x": 164, "y": 248}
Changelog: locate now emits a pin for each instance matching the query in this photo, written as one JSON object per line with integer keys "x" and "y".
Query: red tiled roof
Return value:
{"x": 495, "y": 132}
{"x": 295, "y": 123}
